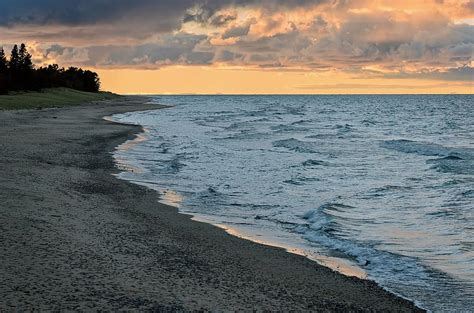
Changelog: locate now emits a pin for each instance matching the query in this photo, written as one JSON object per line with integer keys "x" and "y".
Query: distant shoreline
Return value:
{"x": 76, "y": 237}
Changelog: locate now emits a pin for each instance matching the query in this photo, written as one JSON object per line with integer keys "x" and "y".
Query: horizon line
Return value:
{"x": 295, "y": 94}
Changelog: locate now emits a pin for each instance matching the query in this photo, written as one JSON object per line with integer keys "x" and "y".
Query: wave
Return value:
{"x": 390, "y": 188}
{"x": 426, "y": 148}
{"x": 281, "y": 128}
{"x": 368, "y": 122}
{"x": 321, "y": 136}
{"x": 211, "y": 191}
{"x": 245, "y": 124}
{"x": 296, "y": 145}
{"x": 344, "y": 128}
{"x": 208, "y": 199}
{"x": 322, "y": 228}
{"x": 284, "y": 223}
{"x": 237, "y": 125}
{"x": 172, "y": 166}
{"x": 453, "y": 164}
{"x": 244, "y": 134}
{"x": 468, "y": 193}
{"x": 293, "y": 181}
{"x": 451, "y": 159}
{"x": 312, "y": 162}
{"x": 304, "y": 121}
{"x": 299, "y": 181}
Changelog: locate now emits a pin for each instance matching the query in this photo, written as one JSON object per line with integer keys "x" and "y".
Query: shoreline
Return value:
{"x": 76, "y": 237}
{"x": 337, "y": 264}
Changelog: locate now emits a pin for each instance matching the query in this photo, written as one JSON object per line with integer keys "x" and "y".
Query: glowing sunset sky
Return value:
{"x": 246, "y": 46}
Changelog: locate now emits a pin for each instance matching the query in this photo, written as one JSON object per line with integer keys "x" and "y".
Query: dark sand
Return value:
{"x": 72, "y": 236}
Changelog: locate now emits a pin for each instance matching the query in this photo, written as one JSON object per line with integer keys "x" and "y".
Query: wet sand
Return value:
{"x": 74, "y": 237}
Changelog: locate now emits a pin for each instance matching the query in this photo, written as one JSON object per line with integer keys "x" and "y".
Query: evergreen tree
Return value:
{"x": 24, "y": 59}
{"x": 14, "y": 63}
{"x": 25, "y": 69}
{"x": 4, "y": 81}
{"x": 3, "y": 62}
{"x": 14, "y": 69}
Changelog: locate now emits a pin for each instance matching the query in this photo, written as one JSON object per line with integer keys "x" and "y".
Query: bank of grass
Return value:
{"x": 49, "y": 98}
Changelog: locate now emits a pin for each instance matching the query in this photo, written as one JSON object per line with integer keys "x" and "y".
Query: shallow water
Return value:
{"x": 385, "y": 183}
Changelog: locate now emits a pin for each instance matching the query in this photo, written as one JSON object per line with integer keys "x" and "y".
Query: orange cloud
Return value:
{"x": 365, "y": 39}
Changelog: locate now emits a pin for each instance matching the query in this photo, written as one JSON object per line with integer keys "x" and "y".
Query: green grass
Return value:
{"x": 50, "y": 98}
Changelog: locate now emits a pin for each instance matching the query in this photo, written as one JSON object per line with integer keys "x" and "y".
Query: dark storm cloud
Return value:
{"x": 168, "y": 14}
{"x": 165, "y": 13}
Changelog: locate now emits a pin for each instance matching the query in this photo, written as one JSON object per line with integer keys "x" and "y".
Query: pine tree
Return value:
{"x": 25, "y": 62}
{"x": 3, "y": 62}
{"x": 14, "y": 63}
{"x": 4, "y": 82}
{"x": 15, "y": 69}
{"x": 25, "y": 67}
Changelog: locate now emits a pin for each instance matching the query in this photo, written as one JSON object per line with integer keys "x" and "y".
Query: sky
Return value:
{"x": 253, "y": 47}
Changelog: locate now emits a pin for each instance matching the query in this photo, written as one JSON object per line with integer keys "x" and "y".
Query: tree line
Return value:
{"x": 18, "y": 73}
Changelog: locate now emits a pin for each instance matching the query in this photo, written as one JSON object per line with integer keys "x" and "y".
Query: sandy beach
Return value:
{"x": 74, "y": 237}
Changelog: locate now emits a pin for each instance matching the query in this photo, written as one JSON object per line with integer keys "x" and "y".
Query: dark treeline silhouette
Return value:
{"x": 19, "y": 74}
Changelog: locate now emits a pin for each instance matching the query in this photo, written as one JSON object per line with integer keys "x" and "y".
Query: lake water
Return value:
{"x": 379, "y": 186}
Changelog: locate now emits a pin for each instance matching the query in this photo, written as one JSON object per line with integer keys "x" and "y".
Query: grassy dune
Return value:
{"x": 56, "y": 97}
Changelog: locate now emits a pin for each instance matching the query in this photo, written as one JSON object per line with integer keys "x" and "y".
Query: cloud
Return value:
{"x": 461, "y": 74}
{"x": 378, "y": 38}
{"x": 178, "y": 48}
{"x": 227, "y": 56}
{"x": 171, "y": 49}
{"x": 369, "y": 86}
{"x": 222, "y": 19}
{"x": 237, "y": 31}
{"x": 84, "y": 12}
